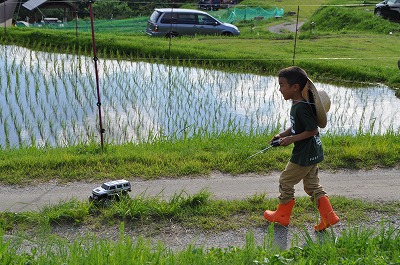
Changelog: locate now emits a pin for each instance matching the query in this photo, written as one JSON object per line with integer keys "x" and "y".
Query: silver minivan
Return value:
{"x": 173, "y": 22}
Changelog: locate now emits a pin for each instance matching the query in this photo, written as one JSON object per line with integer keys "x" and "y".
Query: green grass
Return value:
{"x": 197, "y": 211}
{"x": 188, "y": 157}
{"x": 348, "y": 44}
{"x": 347, "y": 57}
{"x": 359, "y": 246}
{"x": 365, "y": 244}
{"x": 345, "y": 19}
{"x": 361, "y": 50}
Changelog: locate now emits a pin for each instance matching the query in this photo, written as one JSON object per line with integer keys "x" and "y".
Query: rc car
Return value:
{"x": 110, "y": 190}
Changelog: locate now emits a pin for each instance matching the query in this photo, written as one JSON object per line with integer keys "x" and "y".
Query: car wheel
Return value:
{"x": 378, "y": 13}
{"x": 229, "y": 34}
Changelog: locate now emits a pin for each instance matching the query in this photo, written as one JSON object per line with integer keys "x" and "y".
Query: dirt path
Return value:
{"x": 373, "y": 185}
{"x": 285, "y": 27}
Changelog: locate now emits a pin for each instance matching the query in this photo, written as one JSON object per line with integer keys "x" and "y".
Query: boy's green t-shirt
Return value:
{"x": 308, "y": 151}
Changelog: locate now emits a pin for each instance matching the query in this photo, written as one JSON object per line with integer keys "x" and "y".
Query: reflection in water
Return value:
{"x": 50, "y": 99}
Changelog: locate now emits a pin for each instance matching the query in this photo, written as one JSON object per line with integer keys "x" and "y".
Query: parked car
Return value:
{"x": 173, "y": 22}
{"x": 110, "y": 190}
{"x": 389, "y": 9}
{"x": 209, "y": 4}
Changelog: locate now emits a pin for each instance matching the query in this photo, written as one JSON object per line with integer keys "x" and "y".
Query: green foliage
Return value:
{"x": 265, "y": 52}
{"x": 378, "y": 248}
{"x": 362, "y": 151}
{"x": 350, "y": 19}
{"x": 196, "y": 211}
{"x": 354, "y": 245}
{"x": 373, "y": 65}
{"x": 187, "y": 157}
{"x": 148, "y": 209}
{"x": 111, "y": 10}
{"x": 72, "y": 211}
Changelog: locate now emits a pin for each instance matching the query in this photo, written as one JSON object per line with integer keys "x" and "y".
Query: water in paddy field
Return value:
{"x": 50, "y": 99}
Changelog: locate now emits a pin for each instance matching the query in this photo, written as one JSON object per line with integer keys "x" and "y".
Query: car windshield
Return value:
{"x": 104, "y": 186}
{"x": 206, "y": 20}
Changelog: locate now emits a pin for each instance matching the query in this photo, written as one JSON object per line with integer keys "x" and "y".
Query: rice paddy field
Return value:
{"x": 49, "y": 99}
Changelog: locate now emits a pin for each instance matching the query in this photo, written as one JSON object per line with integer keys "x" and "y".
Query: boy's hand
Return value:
{"x": 276, "y": 137}
{"x": 276, "y": 140}
{"x": 285, "y": 141}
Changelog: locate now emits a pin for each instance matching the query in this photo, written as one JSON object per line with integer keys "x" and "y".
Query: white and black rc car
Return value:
{"x": 111, "y": 190}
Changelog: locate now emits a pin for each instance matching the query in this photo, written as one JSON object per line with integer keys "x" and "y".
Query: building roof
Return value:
{"x": 8, "y": 9}
{"x": 32, "y": 4}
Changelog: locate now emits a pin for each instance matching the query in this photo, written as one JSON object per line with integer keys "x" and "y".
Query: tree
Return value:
{"x": 105, "y": 9}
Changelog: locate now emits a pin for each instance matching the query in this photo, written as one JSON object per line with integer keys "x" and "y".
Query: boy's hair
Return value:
{"x": 294, "y": 75}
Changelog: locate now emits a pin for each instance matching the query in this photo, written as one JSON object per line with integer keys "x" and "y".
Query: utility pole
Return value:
{"x": 95, "y": 59}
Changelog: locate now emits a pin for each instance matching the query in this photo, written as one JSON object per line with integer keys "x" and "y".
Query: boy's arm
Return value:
{"x": 286, "y": 132}
{"x": 285, "y": 141}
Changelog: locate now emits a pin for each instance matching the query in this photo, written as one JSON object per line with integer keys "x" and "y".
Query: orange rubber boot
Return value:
{"x": 281, "y": 215}
{"x": 328, "y": 216}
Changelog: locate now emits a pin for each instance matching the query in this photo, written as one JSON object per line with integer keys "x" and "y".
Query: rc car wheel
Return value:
{"x": 107, "y": 202}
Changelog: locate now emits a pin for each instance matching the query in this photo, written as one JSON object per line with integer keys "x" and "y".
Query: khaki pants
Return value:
{"x": 292, "y": 175}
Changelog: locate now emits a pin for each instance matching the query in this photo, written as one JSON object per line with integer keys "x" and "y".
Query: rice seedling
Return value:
{"x": 6, "y": 141}
{"x": 8, "y": 81}
{"x": 143, "y": 99}
{"x": 32, "y": 136}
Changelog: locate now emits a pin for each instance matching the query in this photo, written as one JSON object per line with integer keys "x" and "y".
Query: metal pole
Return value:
{"x": 5, "y": 19}
{"x": 97, "y": 74}
{"x": 76, "y": 19}
{"x": 295, "y": 36}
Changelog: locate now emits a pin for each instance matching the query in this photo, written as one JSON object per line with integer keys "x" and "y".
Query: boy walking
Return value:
{"x": 308, "y": 112}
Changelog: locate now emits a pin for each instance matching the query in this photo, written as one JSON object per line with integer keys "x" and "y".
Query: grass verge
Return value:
{"x": 197, "y": 211}
{"x": 35, "y": 232}
{"x": 226, "y": 153}
{"x": 360, "y": 246}
{"x": 264, "y": 53}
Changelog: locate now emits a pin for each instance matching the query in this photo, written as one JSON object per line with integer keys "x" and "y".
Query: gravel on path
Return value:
{"x": 372, "y": 185}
